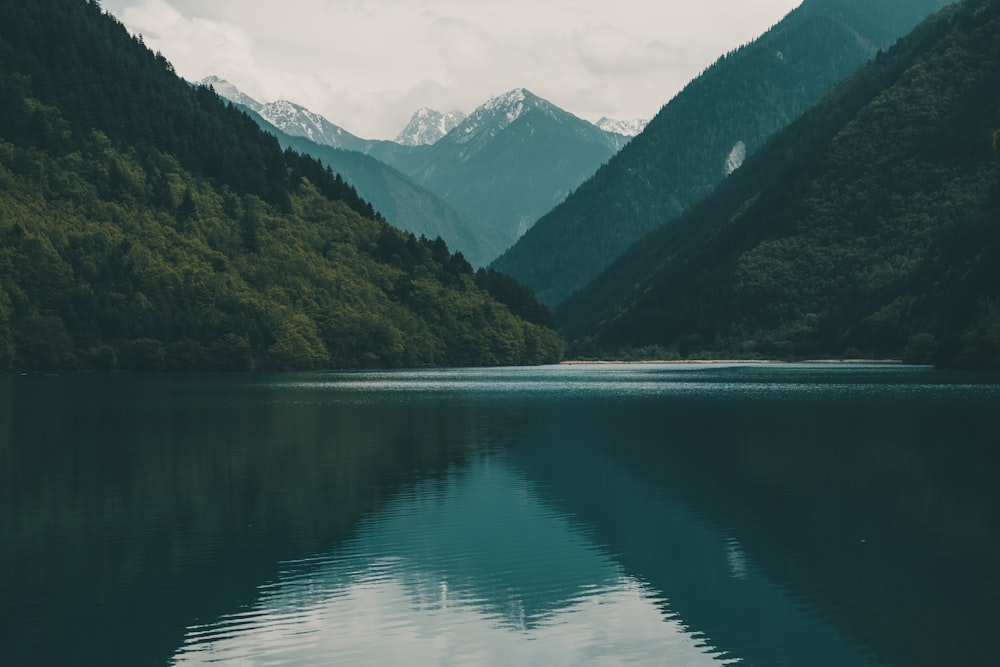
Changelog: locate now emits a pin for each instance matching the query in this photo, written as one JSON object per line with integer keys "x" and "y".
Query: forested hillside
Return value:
{"x": 703, "y": 134}
{"x": 871, "y": 226}
{"x": 147, "y": 225}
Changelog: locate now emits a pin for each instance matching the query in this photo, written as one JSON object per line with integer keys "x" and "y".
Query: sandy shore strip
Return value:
{"x": 581, "y": 362}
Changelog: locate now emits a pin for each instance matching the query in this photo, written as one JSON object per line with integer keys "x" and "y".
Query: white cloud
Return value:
{"x": 196, "y": 46}
{"x": 607, "y": 50}
{"x": 367, "y": 64}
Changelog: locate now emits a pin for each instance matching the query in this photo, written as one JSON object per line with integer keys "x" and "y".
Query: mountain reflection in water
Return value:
{"x": 647, "y": 514}
{"x": 470, "y": 569}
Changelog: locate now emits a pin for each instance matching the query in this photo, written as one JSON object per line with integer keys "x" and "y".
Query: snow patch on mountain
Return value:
{"x": 736, "y": 157}
{"x": 428, "y": 126}
{"x": 627, "y": 128}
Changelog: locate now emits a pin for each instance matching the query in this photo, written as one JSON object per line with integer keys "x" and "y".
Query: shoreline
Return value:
{"x": 609, "y": 362}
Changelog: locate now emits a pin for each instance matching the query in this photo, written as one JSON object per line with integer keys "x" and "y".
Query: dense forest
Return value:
{"x": 868, "y": 227}
{"x": 147, "y": 225}
{"x": 703, "y": 134}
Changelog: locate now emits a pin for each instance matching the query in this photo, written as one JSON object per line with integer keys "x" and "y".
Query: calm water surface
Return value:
{"x": 683, "y": 515}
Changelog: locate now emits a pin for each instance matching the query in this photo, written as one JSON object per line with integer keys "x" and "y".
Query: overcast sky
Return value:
{"x": 367, "y": 65}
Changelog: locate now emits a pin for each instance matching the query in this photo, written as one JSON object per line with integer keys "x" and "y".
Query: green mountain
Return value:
{"x": 703, "y": 134}
{"x": 147, "y": 225}
{"x": 869, "y": 226}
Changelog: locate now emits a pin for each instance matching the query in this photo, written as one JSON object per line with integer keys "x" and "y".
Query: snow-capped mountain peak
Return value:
{"x": 513, "y": 104}
{"x": 499, "y": 112}
{"x": 290, "y": 118}
{"x": 230, "y": 92}
{"x": 427, "y": 126}
{"x": 298, "y": 121}
{"x": 627, "y": 128}
{"x": 512, "y": 99}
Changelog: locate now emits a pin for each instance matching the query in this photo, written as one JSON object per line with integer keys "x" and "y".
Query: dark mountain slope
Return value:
{"x": 702, "y": 134}
{"x": 868, "y": 226}
{"x": 146, "y": 225}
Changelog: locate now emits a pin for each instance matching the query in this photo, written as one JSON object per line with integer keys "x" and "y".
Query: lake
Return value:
{"x": 672, "y": 514}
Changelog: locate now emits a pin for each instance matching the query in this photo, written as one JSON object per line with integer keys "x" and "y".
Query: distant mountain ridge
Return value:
{"x": 702, "y": 134}
{"x": 507, "y": 163}
{"x": 425, "y": 127}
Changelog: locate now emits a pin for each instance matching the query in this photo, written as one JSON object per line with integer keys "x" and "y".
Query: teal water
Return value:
{"x": 805, "y": 514}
